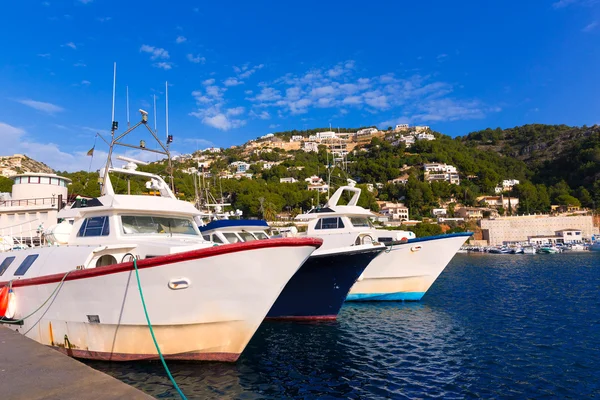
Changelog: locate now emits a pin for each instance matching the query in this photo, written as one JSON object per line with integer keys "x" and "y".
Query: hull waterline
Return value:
{"x": 408, "y": 270}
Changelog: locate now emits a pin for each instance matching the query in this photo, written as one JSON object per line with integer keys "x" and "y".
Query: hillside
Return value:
{"x": 19, "y": 164}
{"x": 553, "y": 164}
{"x": 552, "y": 153}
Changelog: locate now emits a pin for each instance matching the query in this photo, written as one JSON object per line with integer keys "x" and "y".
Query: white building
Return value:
{"x": 267, "y": 136}
{"x": 439, "y": 212}
{"x": 425, "y": 136}
{"x": 366, "y": 131}
{"x": 500, "y": 201}
{"x": 288, "y": 180}
{"x": 421, "y": 128}
{"x": 394, "y": 211}
{"x": 326, "y": 135}
{"x": 322, "y": 188}
{"x": 401, "y": 127}
{"x": 270, "y": 164}
{"x": 507, "y": 185}
{"x": 34, "y": 202}
{"x": 407, "y": 140}
{"x": 240, "y": 166}
{"x": 438, "y": 167}
{"x": 310, "y": 146}
{"x": 213, "y": 149}
{"x": 296, "y": 138}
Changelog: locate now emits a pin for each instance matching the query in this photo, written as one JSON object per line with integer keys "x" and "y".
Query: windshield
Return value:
{"x": 150, "y": 224}
{"x": 247, "y": 236}
{"x": 232, "y": 237}
{"x": 260, "y": 235}
{"x": 359, "y": 222}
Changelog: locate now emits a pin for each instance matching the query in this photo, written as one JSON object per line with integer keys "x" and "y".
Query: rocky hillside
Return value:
{"x": 18, "y": 164}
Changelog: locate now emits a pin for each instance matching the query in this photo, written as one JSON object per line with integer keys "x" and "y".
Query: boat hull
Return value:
{"x": 319, "y": 288}
{"x": 97, "y": 313}
{"x": 408, "y": 270}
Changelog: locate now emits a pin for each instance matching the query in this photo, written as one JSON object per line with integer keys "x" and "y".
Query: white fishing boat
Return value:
{"x": 82, "y": 293}
{"x": 528, "y": 249}
{"x": 405, "y": 271}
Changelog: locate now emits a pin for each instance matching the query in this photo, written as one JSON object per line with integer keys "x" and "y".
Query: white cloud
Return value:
{"x": 79, "y": 64}
{"x": 590, "y": 27}
{"x": 104, "y": 19}
{"x": 84, "y": 82}
{"x": 48, "y": 108}
{"x": 261, "y": 115}
{"x": 245, "y": 71}
{"x": 268, "y": 94}
{"x": 163, "y": 65}
{"x": 222, "y": 122}
{"x": 155, "y": 52}
{"x": 441, "y": 56}
{"x": 70, "y": 44}
{"x": 322, "y": 91}
{"x": 180, "y": 39}
{"x": 273, "y": 126}
{"x": 44, "y": 55}
{"x": 208, "y": 82}
{"x": 352, "y": 100}
{"x": 235, "y": 111}
{"x": 232, "y": 82}
{"x": 563, "y": 3}
{"x": 85, "y": 1}
{"x": 196, "y": 59}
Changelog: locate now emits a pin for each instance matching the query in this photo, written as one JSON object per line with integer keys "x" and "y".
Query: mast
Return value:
{"x": 113, "y": 128}
{"x": 168, "y": 138}
{"x": 155, "y": 130}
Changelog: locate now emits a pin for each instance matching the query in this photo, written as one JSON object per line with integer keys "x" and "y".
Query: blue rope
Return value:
{"x": 137, "y": 275}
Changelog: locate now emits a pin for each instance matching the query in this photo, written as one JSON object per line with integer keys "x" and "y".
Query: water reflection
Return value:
{"x": 491, "y": 326}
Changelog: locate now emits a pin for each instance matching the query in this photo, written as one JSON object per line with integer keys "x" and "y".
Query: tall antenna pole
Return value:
{"x": 167, "y": 128}
{"x": 127, "y": 97}
{"x": 114, "y": 90}
{"x": 167, "y": 108}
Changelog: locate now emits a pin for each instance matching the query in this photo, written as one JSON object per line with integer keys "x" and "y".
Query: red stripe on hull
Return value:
{"x": 169, "y": 259}
{"x": 105, "y": 356}
{"x": 304, "y": 318}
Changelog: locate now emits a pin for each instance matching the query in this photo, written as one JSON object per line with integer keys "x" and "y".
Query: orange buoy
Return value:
{"x": 12, "y": 305}
{"x": 3, "y": 300}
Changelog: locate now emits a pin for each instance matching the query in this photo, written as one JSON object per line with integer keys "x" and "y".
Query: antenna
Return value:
{"x": 114, "y": 89}
{"x": 167, "y": 108}
{"x": 127, "y": 97}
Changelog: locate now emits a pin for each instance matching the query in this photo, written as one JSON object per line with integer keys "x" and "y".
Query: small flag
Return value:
{"x": 91, "y": 152}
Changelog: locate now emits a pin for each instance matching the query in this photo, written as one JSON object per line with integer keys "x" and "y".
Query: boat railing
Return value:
{"x": 52, "y": 201}
{"x": 25, "y": 234}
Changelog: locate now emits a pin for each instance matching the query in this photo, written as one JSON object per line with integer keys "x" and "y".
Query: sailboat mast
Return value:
{"x": 112, "y": 132}
{"x": 167, "y": 129}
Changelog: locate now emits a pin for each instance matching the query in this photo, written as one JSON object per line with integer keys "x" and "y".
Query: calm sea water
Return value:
{"x": 492, "y": 326}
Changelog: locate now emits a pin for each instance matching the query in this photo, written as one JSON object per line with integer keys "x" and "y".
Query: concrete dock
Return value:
{"x": 29, "y": 370}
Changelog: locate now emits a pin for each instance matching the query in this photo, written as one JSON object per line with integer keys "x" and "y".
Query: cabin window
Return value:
{"x": 151, "y": 224}
{"x": 232, "y": 237}
{"x": 385, "y": 239}
{"x": 216, "y": 239}
{"x": 247, "y": 236}
{"x": 106, "y": 260}
{"x": 329, "y": 223}
{"x": 206, "y": 237}
{"x": 5, "y": 264}
{"x": 27, "y": 262}
{"x": 358, "y": 222}
{"x": 96, "y": 226}
{"x": 260, "y": 235}
{"x": 45, "y": 180}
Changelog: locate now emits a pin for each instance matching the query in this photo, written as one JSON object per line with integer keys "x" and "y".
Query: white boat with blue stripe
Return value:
{"x": 405, "y": 271}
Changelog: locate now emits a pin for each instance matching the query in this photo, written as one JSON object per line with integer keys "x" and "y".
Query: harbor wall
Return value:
{"x": 519, "y": 228}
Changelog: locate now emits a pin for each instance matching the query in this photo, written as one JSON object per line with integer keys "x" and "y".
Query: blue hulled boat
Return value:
{"x": 318, "y": 289}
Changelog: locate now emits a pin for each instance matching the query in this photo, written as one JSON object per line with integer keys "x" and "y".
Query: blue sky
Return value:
{"x": 238, "y": 70}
